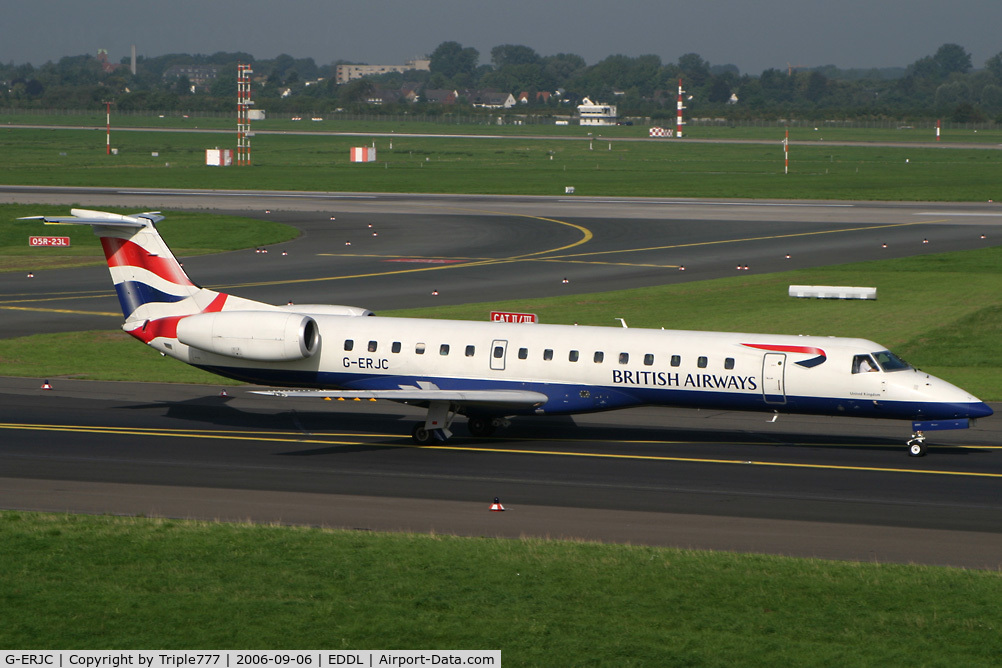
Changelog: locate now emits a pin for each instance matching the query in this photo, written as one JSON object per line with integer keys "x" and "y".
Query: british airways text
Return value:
{"x": 700, "y": 380}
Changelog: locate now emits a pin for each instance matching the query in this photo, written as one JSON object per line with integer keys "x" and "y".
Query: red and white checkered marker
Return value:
{"x": 496, "y": 507}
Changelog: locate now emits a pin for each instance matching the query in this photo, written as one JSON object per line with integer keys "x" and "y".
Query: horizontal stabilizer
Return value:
{"x": 86, "y": 217}
{"x": 71, "y": 220}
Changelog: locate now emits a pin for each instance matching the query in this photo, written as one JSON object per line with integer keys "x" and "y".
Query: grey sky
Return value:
{"x": 752, "y": 34}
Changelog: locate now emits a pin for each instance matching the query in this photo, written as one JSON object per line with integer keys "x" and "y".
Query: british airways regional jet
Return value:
{"x": 491, "y": 371}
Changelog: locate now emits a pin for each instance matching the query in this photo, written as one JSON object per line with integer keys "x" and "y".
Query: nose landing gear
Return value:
{"x": 916, "y": 445}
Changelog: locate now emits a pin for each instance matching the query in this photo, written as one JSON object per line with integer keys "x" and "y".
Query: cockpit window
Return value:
{"x": 863, "y": 364}
{"x": 888, "y": 361}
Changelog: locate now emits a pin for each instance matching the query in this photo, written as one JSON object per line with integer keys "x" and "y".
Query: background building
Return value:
{"x": 592, "y": 113}
{"x": 346, "y": 73}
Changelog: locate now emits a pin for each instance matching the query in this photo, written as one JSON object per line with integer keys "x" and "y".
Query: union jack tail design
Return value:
{"x": 142, "y": 267}
{"x": 152, "y": 287}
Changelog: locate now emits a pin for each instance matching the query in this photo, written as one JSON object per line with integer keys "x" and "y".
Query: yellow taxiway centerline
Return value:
{"x": 289, "y": 437}
{"x": 60, "y": 310}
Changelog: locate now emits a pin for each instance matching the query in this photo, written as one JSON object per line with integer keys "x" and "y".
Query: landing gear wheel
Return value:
{"x": 421, "y": 435}
{"x": 916, "y": 445}
{"x": 479, "y": 426}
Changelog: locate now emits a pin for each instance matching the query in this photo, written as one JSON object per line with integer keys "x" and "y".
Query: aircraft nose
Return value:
{"x": 980, "y": 410}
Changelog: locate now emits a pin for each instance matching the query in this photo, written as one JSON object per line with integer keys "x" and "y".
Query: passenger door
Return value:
{"x": 773, "y": 378}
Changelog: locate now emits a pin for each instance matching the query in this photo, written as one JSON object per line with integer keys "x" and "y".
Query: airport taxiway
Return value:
{"x": 818, "y": 487}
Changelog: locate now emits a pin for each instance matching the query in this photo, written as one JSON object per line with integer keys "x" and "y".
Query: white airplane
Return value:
{"x": 490, "y": 371}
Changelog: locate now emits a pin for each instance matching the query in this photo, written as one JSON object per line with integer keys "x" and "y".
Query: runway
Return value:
{"x": 805, "y": 486}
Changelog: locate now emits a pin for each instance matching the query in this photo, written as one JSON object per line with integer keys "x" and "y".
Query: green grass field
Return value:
{"x": 75, "y": 582}
{"x": 505, "y": 166}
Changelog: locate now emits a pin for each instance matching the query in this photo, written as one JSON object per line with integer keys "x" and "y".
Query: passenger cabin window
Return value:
{"x": 470, "y": 350}
{"x": 395, "y": 347}
{"x": 863, "y": 364}
{"x": 572, "y": 356}
{"x": 599, "y": 357}
{"x": 649, "y": 359}
{"x": 372, "y": 346}
{"x": 701, "y": 362}
{"x": 676, "y": 360}
{"x": 523, "y": 353}
{"x": 443, "y": 349}
{"x": 349, "y": 344}
{"x": 624, "y": 358}
{"x": 419, "y": 349}
{"x": 547, "y": 354}
{"x": 498, "y": 352}
{"x": 728, "y": 362}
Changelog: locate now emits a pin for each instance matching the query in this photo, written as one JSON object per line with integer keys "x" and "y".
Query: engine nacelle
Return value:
{"x": 263, "y": 336}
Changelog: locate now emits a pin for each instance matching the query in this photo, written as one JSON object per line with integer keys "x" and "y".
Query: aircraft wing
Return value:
{"x": 494, "y": 398}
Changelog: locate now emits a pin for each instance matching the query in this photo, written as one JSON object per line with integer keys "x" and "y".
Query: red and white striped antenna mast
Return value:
{"x": 786, "y": 152}
{"x": 108, "y": 135}
{"x": 678, "y": 127}
{"x": 244, "y": 104}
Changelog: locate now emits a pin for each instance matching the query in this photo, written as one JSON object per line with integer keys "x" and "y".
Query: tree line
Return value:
{"x": 943, "y": 85}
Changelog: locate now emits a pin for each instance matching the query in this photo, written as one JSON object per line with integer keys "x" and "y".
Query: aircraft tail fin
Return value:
{"x": 149, "y": 280}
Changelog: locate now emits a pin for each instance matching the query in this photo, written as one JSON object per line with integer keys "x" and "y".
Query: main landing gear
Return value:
{"x": 435, "y": 428}
{"x": 485, "y": 426}
{"x": 479, "y": 426}
{"x": 424, "y": 436}
{"x": 916, "y": 445}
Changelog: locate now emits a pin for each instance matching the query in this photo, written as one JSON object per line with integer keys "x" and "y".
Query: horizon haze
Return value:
{"x": 752, "y": 36}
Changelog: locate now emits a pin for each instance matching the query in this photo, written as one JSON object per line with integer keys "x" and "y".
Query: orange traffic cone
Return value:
{"x": 46, "y": 386}
{"x": 496, "y": 507}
